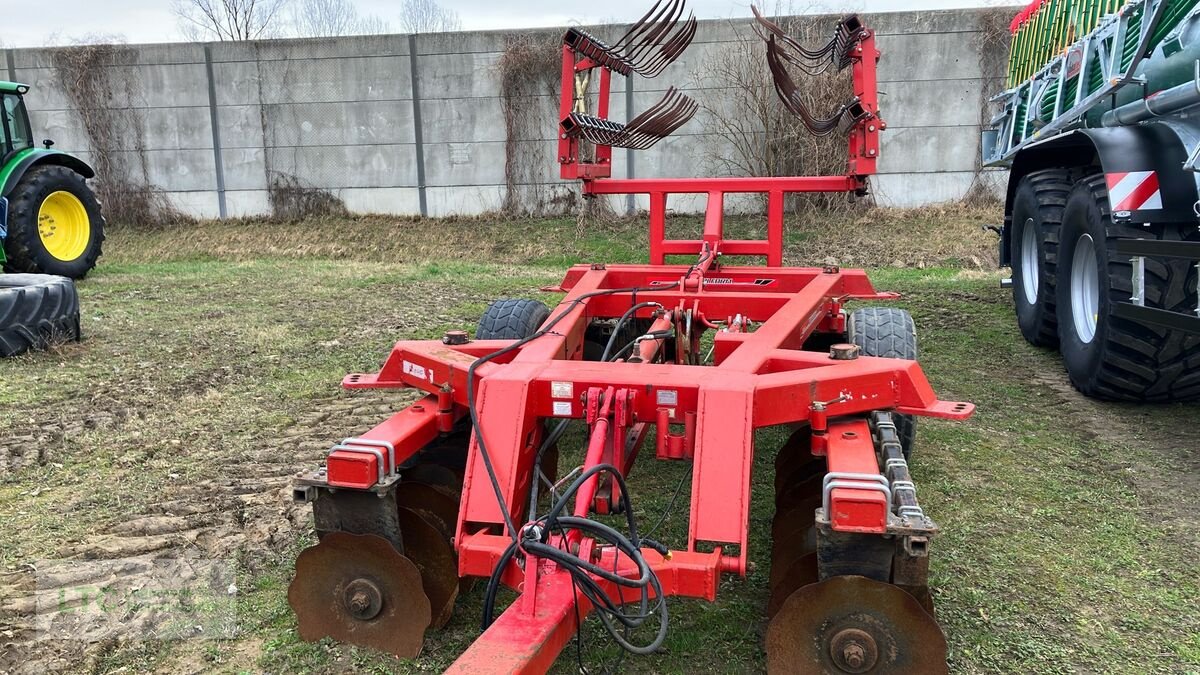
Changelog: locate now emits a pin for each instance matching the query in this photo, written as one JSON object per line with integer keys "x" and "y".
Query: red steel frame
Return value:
{"x": 707, "y": 415}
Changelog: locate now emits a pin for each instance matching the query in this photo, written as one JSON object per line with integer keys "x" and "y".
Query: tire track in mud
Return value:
{"x": 242, "y": 511}
{"x": 1169, "y": 485}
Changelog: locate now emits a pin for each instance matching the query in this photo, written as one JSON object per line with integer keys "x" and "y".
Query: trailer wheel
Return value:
{"x": 35, "y": 311}
{"x": 1036, "y": 221}
{"x": 1108, "y": 357}
{"x": 511, "y": 319}
{"x": 888, "y": 332}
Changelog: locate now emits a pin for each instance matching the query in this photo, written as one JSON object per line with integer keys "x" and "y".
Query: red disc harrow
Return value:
{"x": 682, "y": 361}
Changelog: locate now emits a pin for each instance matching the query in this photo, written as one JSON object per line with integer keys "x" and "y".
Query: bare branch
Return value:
{"x": 427, "y": 16}
{"x": 328, "y": 18}
{"x": 228, "y": 19}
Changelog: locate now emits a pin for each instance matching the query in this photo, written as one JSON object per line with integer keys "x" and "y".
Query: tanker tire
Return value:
{"x": 1038, "y": 204}
{"x": 36, "y": 311}
{"x": 511, "y": 319}
{"x": 887, "y": 332}
{"x": 1125, "y": 360}
{"x": 26, "y": 252}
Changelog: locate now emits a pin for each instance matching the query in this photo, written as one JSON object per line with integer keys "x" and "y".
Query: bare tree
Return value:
{"x": 229, "y": 19}
{"x": 328, "y": 18}
{"x": 427, "y": 16}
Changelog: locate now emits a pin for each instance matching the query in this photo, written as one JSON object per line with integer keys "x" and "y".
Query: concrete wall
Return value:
{"x": 363, "y": 117}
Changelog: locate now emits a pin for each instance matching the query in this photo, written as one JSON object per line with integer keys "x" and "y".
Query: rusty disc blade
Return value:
{"x": 797, "y": 472}
{"x": 358, "y": 588}
{"x": 795, "y": 449}
{"x": 432, "y": 504}
{"x": 923, "y": 596}
{"x": 433, "y": 556}
{"x": 799, "y": 543}
{"x": 434, "y": 475}
{"x": 798, "y": 517}
{"x": 801, "y": 572}
{"x": 851, "y": 624}
{"x": 799, "y": 493}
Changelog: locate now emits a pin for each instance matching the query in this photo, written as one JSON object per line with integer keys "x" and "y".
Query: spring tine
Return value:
{"x": 644, "y": 32}
{"x": 655, "y": 123}
{"x": 790, "y": 95}
{"x": 774, "y": 29}
{"x": 637, "y": 25}
{"x": 672, "y": 49}
{"x": 644, "y": 48}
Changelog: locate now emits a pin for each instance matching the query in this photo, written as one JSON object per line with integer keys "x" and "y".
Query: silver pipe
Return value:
{"x": 1161, "y": 103}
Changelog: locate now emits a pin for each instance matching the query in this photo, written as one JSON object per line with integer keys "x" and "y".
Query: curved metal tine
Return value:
{"x": 661, "y": 119}
{"x": 671, "y": 50}
{"x": 654, "y": 36}
{"x": 789, "y": 93}
{"x": 640, "y": 32}
{"x": 627, "y": 38}
{"x": 776, "y": 30}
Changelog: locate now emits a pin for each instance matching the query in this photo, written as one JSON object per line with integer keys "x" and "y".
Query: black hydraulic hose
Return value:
{"x": 472, "y": 409}
{"x": 612, "y": 339}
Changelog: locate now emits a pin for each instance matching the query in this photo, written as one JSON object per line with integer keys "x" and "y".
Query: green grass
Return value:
{"x": 1068, "y": 532}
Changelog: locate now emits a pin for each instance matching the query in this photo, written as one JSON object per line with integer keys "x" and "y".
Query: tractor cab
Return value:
{"x": 15, "y": 132}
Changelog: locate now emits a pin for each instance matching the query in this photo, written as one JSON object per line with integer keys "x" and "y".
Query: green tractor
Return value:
{"x": 50, "y": 233}
{"x": 50, "y": 220}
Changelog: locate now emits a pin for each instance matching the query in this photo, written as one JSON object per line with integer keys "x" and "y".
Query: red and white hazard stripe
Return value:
{"x": 1133, "y": 191}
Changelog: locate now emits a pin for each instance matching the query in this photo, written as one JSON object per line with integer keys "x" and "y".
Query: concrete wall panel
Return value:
{"x": 337, "y": 114}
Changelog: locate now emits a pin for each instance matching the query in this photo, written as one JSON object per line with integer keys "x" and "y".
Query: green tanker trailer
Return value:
{"x": 1098, "y": 130}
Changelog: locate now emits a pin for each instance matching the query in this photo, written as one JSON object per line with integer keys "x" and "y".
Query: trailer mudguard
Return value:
{"x": 16, "y": 167}
{"x": 1143, "y": 166}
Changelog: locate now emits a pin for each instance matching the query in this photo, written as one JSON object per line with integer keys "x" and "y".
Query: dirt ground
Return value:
{"x": 205, "y": 381}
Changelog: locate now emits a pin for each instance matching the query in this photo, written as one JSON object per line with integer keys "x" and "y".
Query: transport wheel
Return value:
{"x": 511, "y": 319}
{"x": 36, "y": 310}
{"x": 888, "y": 332}
{"x": 55, "y": 225}
{"x": 1108, "y": 357}
{"x": 1033, "y": 249}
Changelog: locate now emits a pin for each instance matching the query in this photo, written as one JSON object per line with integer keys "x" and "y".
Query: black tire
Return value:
{"x": 36, "y": 310}
{"x": 511, "y": 319}
{"x": 26, "y": 251}
{"x": 1038, "y": 204}
{"x": 1125, "y": 360}
{"x": 888, "y": 332}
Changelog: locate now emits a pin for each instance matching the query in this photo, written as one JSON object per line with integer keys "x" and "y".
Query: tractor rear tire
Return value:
{"x": 511, "y": 319}
{"x": 887, "y": 332}
{"x": 36, "y": 311}
{"x": 1108, "y": 357}
{"x": 32, "y": 245}
{"x": 1033, "y": 252}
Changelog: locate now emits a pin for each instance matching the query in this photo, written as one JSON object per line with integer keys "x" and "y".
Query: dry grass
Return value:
{"x": 933, "y": 236}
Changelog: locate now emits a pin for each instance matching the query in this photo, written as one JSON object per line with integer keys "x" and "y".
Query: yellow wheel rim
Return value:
{"x": 64, "y": 226}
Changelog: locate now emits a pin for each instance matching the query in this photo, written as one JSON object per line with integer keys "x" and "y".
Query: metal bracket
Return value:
{"x": 856, "y": 481}
{"x": 372, "y": 443}
{"x": 1139, "y": 280}
{"x": 370, "y": 451}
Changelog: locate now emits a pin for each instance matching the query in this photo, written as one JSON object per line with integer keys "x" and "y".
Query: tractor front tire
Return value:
{"x": 887, "y": 332}
{"x": 511, "y": 319}
{"x": 1033, "y": 252}
{"x": 55, "y": 225}
{"x": 1108, "y": 357}
{"x": 36, "y": 311}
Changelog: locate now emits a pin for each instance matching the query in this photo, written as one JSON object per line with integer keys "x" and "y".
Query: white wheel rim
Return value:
{"x": 1029, "y": 261}
{"x": 1085, "y": 289}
